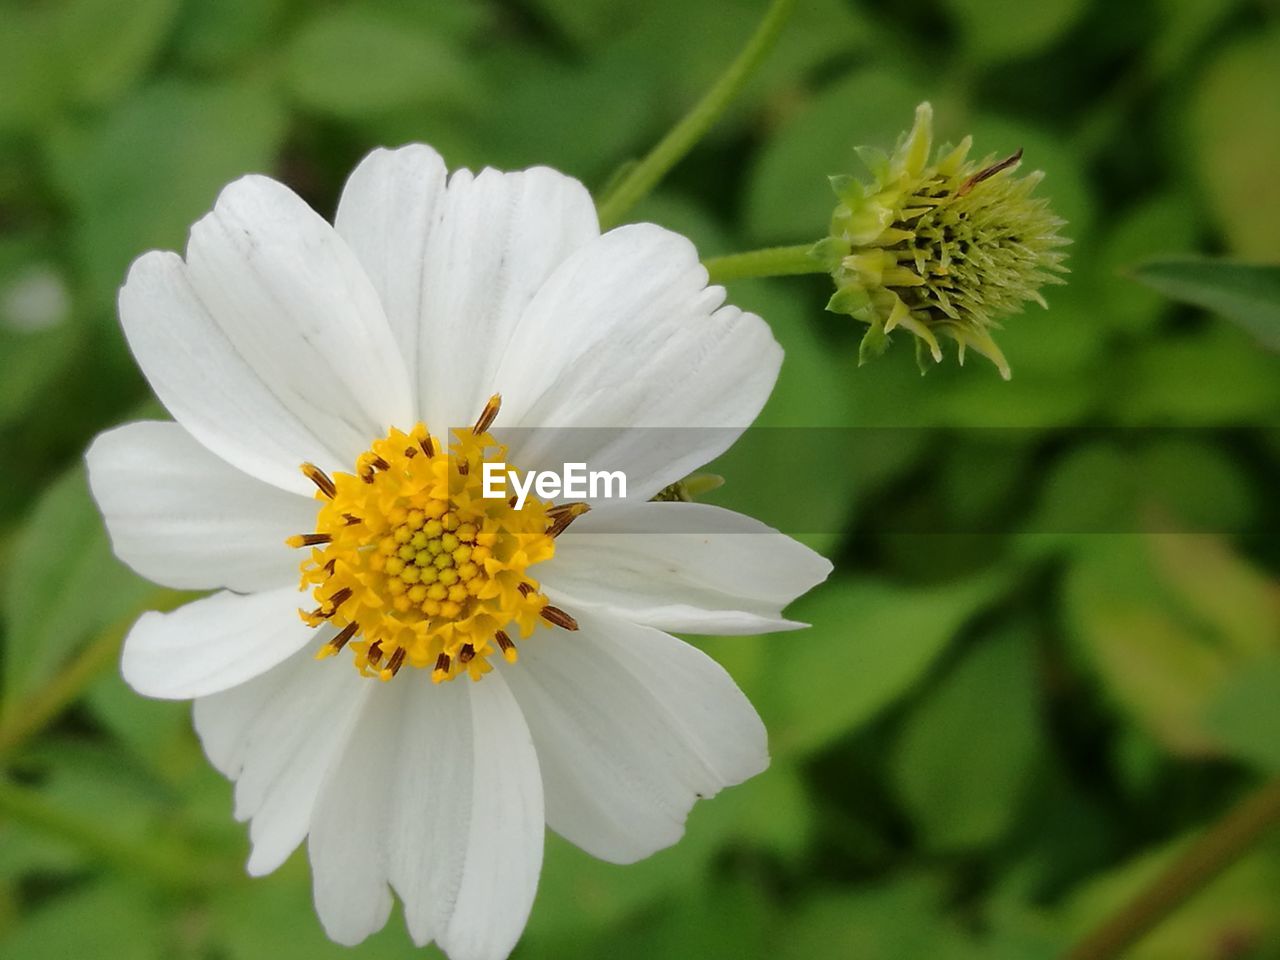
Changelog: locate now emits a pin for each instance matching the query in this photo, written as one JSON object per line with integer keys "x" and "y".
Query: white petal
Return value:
{"x": 208, "y": 386}
{"x": 214, "y": 643}
{"x": 688, "y": 567}
{"x": 431, "y": 807}
{"x": 628, "y": 334}
{"x": 631, "y": 726}
{"x": 295, "y": 303}
{"x": 468, "y": 819}
{"x": 349, "y": 837}
{"x": 498, "y": 237}
{"x": 185, "y": 518}
{"x": 277, "y": 736}
{"x": 391, "y": 204}
{"x": 505, "y": 831}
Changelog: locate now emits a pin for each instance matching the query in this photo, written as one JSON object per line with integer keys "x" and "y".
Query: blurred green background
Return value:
{"x": 988, "y": 739}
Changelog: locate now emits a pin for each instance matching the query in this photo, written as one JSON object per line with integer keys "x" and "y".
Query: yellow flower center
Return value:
{"x": 415, "y": 566}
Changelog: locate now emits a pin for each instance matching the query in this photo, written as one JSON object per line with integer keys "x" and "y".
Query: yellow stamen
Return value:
{"x": 564, "y": 515}
{"x": 441, "y": 672}
{"x": 558, "y": 617}
{"x": 416, "y": 568}
{"x": 393, "y": 665}
{"x": 488, "y": 415}
{"x": 320, "y": 479}
{"x": 337, "y": 643}
{"x": 508, "y": 648}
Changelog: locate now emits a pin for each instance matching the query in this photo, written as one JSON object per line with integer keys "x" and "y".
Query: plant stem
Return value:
{"x": 29, "y": 715}
{"x": 1241, "y": 827}
{"x": 33, "y": 713}
{"x": 644, "y": 176}
{"x": 167, "y": 869}
{"x": 769, "y": 262}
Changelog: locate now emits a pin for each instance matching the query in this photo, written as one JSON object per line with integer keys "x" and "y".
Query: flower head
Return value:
{"x": 939, "y": 244}
{"x": 411, "y": 676}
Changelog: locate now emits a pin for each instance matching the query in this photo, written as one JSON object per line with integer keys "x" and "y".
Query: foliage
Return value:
{"x": 1050, "y": 653}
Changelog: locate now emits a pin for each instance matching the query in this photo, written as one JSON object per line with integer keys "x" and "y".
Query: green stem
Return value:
{"x": 1241, "y": 827}
{"x": 164, "y": 868}
{"x": 770, "y": 262}
{"x": 23, "y": 719}
{"x": 644, "y": 176}
{"x": 34, "y": 713}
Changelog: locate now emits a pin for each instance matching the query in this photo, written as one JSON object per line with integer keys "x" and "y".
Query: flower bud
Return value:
{"x": 941, "y": 246}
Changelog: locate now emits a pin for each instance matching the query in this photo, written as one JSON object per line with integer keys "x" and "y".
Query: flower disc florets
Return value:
{"x": 947, "y": 246}
{"x": 415, "y": 566}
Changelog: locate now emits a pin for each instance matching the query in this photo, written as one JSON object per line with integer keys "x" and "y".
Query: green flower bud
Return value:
{"x": 946, "y": 246}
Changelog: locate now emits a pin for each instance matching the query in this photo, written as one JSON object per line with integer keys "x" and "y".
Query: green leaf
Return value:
{"x": 350, "y": 62}
{"x": 1154, "y": 615}
{"x": 1247, "y": 294}
{"x": 138, "y": 179}
{"x": 158, "y": 731}
{"x": 583, "y": 97}
{"x": 870, "y": 643}
{"x": 1234, "y": 600}
{"x": 1237, "y": 907}
{"x": 1184, "y": 26}
{"x": 95, "y": 781}
{"x": 968, "y": 751}
{"x": 589, "y": 23}
{"x": 1167, "y": 224}
{"x": 995, "y": 30}
{"x": 677, "y": 926}
{"x": 1153, "y": 666}
{"x": 1234, "y": 133}
{"x": 690, "y": 45}
{"x": 29, "y": 79}
{"x": 1034, "y": 398}
{"x": 977, "y": 476}
{"x": 275, "y": 917}
{"x": 64, "y": 584}
{"x": 106, "y": 46}
{"x": 32, "y": 362}
{"x": 213, "y": 36}
{"x": 1245, "y": 715}
{"x": 743, "y": 913}
{"x": 677, "y": 50}
{"x": 1169, "y": 482}
{"x": 900, "y": 919}
{"x": 1216, "y": 376}
{"x": 108, "y": 918}
{"x": 75, "y": 53}
{"x": 771, "y": 812}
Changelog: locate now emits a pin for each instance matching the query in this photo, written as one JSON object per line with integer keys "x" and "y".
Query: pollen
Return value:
{"x": 416, "y": 568}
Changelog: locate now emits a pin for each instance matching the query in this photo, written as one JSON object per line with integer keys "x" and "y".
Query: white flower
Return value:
{"x": 352, "y": 350}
